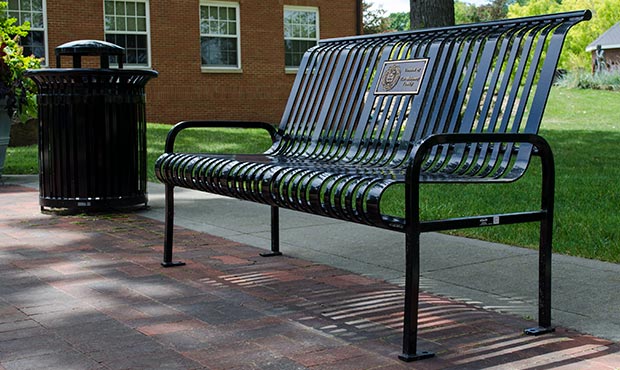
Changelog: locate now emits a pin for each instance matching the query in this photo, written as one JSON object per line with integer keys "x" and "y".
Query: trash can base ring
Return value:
{"x": 72, "y": 206}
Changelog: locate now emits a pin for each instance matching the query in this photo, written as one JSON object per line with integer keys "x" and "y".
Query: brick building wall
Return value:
{"x": 182, "y": 91}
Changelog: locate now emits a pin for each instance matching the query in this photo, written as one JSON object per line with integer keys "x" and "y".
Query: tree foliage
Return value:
{"x": 465, "y": 12}
{"x": 605, "y": 13}
{"x": 374, "y": 21}
{"x": 399, "y": 21}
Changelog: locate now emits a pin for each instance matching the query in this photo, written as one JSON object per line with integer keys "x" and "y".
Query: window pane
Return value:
{"x": 288, "y": 60}
{"x": 287, "y": 16}
{"x": 143, "y": 57}
{"x": 141, "y": 9}
{"x": 120, "y": 8}
{"x": 131, "y": 24}
{"x": 37, "y": 37}
{"x": 37, "y": 21}
{"x": 109, "y": 7}
{"x": 130, "y": 42}
{"x": 109, "y": 23}
{"x": 141, "y": 42}
{"x": 24, "y": 5}
{"x": 141, "y": 24}
{"x": 302, "y": 17}
{"x": 120, "y": 24}
{"x": 223, "y": 14}
{"x": 131, "y": 57}
{"x": 312, "y": 33}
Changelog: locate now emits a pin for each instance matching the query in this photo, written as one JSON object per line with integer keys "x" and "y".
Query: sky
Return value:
{"x": 396, "y": 6}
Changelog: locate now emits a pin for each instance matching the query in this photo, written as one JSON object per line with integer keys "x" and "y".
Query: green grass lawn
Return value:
{"x": 583, "y": 128}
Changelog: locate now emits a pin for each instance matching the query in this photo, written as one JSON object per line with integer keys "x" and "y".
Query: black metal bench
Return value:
{"x": 448, "y": 105}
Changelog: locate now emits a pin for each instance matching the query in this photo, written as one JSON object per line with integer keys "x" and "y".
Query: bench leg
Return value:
{"x": 545, "y": 246}
{"x": 544, "y": 283}
{"x": 275, "y": 234}
{"x": 544, "y": 280}
{"x": 169, "y": 228}
{"x": 412, "y": 294}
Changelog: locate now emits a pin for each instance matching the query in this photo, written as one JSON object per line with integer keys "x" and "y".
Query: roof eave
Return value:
{"x": 591, "y": 47}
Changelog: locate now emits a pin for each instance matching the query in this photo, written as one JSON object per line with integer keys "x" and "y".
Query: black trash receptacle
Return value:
{"x": 92, "y": 131}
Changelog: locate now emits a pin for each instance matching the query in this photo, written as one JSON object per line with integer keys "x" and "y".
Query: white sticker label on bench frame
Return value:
{"x": 401, "y": 77}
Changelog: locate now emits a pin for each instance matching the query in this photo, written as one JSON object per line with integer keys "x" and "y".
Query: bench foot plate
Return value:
{"x": 539, "y": 330}
{"x": 270, "y": 254}
{"x": 418, "y": 356}
{"x": 173, "y": 264}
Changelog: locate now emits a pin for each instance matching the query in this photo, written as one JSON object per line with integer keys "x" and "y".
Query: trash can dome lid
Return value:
{"x": 89, "y": 47}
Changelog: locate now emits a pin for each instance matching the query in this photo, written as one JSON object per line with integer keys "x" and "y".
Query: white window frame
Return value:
{"x": 106, "y": 32}
{"x": 227, "y": 4}
{"x": 44, "y": 29}
{"x": 312, "y": 9}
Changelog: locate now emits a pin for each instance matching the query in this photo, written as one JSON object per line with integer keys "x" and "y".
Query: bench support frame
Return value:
{"x": 474, "y": 119}
{"x": 169, "y": 228}
{"x": 275, "y": 234}
{"x": 414, "y": 228}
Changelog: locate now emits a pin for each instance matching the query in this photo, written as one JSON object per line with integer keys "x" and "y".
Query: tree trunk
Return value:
{"x": 431, "y": 13}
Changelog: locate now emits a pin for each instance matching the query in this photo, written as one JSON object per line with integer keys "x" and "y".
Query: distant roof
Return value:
{"x": 610, "y": 39}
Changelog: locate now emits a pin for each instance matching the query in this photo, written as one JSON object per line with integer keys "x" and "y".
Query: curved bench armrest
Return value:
{"x": 538, "y": 142}
{"x": 174, "y": 131}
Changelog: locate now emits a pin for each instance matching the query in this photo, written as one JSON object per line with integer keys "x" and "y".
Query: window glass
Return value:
{"x": 301, "y": 32}
{"x": 126, "y": 25}
{"x": 219, "y": 35}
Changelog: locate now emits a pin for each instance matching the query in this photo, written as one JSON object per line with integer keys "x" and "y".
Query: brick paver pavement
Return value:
{"x": 87, "y": 292}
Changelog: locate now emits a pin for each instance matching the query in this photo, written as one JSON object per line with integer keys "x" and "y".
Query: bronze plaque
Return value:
{"x": 401, "y": 77}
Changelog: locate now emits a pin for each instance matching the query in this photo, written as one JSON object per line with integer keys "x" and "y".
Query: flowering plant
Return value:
{"x": 17, "y": 92}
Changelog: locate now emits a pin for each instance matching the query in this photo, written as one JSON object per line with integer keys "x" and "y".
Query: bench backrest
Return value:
{"x": 352, "y": 100}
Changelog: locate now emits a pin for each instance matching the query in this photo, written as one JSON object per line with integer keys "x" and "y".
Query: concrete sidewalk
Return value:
{"x": 474, "y": 275}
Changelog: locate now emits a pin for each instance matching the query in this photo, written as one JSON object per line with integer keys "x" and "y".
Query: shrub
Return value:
{"x": 607, "y": 80}
{"x": 18, "y": 91}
